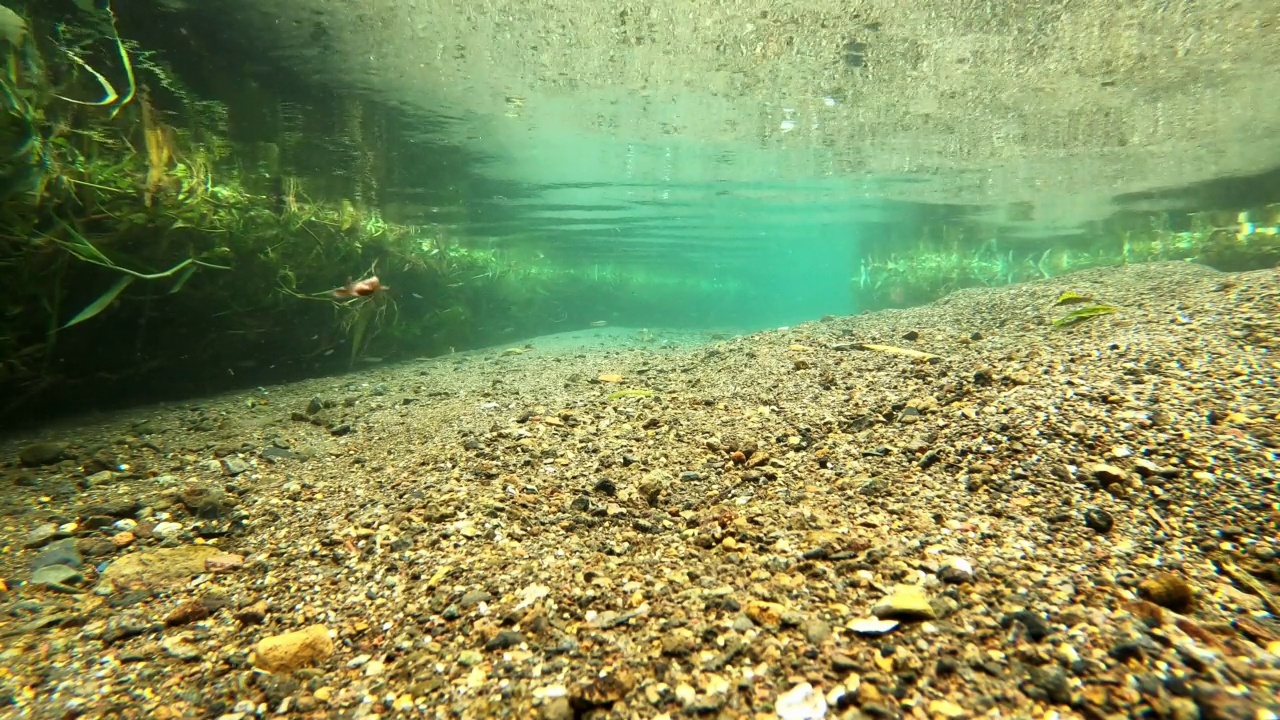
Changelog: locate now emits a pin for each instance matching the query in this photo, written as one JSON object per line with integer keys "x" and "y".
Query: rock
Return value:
{"x": 872, "y": 626}
{"x": 816, "y": 631}
{"x": 233, "y": 466}
{"x": 945, "y": 709}
{"x": 182, "y": 647}
{"x": 223, "y": 562}
{"x": 158, "y": 567}
{"x": 557, "y": 709}
{"x": 765, "y": 614}
{"x": 294, "y": 650}
{"x": 1108, "y": 474}
{"x": 801, "y": 702}
{"x": 956, "y": 571}
{"x": 906, "y": 602}
{"x": 56, "y": 575}
{"x": 166, "y": 529}
{"x": 1098, "y": 520}
{"x": 253, "y": 614}
{"x": 42, "y": 453}
{"x": 62, "y": 552}
{"x": 40, "y": 536}
{"x": 503, "y": 640}
{"x": 1168, "y": 590}
{"x": 1037, "y": 628}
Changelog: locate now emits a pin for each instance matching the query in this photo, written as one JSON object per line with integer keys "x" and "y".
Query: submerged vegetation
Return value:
{"x": 136, "y": 236}
{"x": 952, "y": 258}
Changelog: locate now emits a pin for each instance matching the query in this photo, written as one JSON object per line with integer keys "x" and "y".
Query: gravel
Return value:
{"x": 493, "y": 536}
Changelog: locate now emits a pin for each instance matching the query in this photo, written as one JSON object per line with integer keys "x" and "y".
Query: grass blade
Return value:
{"x": 104, "y": 300}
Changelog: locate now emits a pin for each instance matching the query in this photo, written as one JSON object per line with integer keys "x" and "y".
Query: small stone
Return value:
{"x": 1108, "y": 474}
{"x": 816, "y": 631}
{"x": 40, "y": 536}
{"x": 956, "y": 571}
{"x": 182, "y": 647}
{"x": 56, "y": 575}
{"x": 254, "y": 614}
{"x": 62, "y": 552}
{"x": 1098, "y": 520}
{"x": 765, "y": 614}
{"x": 557, "y": 709}
{"x": 945, "y": 709}
{"x": 801, "y": 702}
{"x": 166, "y": 529}
{"x": 42, "y": 453}
{"x": 906, "y": 602}
{"x": 872, "y": 626}
{"x": 503, "y": 640}
{"x": 188, "y": 612}
{"x": 1168, "y": 590}
{"x": 233, "y": 466}
{"x": 294, "y": 650}
{"x": 224, "y": 562}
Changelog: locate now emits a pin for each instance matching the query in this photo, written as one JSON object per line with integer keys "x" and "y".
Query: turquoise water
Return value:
{"x": 677, "y": 146}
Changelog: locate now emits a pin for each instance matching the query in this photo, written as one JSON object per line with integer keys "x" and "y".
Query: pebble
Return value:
{"x": 61, "y": 552}
{"x": 801, "y": 702}
{"x": 40, "y": 536}
{"x": 42, "y": 453}
{"x": 294, "y": 650}
{"x": 1108, "y": 474}
{"x": 1098, "y": 520}
{"x": 166, "y": 529}
{"x": 906, "y": 602}
{"x": 956, "y": 571}
{"x": 872, "y": 626}
{"x": 57, "y": 575}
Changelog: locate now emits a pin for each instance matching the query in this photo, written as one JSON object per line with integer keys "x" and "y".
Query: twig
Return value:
{"x": 1247, "y": 581}
{"x": 1159, "y": 521}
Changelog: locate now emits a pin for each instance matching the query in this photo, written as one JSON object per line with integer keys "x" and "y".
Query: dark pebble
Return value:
{"x": 1053, "y": 683}
{"x": 42, "y": 453}
{"x": 504, "y": 640}
{"x": 606, "y": 486}
{"x": 1127, "y": 650}
{"x": 1037, "y": 628}
{"x": 1098, "y": 520}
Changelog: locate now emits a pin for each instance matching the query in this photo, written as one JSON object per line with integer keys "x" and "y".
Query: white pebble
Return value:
{"x": 166, "y": 529}
{"x": 801, "y": 702}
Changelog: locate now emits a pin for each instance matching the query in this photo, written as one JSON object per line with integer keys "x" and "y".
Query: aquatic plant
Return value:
{"x": 1080, "y": 315}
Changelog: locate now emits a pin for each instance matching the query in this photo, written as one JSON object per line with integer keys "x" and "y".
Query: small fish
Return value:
{"x": 599, "y": 323}
{"x": 363, "y": 288}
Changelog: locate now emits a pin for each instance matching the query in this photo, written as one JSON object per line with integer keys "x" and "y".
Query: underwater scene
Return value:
{"x": 568, "y": 360}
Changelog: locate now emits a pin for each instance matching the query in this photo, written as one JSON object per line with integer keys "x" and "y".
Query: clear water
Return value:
{"x": 743, "y": 147}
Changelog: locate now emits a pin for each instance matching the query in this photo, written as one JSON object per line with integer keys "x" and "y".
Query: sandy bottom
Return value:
{"x": 1010, "y": 520}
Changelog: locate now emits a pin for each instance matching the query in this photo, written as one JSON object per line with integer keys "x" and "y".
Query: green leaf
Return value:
{"x": 183, "y": 277}
{"x": 1085, "y": 313}
{"x": 103, "y": 301}
{"x": 1071, "y": 297}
